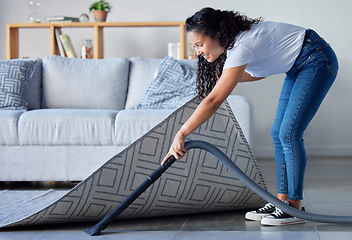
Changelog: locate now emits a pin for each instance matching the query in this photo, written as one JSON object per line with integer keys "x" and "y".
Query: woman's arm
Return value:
{"x": 229, "y": 79}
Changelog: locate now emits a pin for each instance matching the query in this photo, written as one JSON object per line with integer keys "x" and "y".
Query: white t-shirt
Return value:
{"x": 268, "y": 48}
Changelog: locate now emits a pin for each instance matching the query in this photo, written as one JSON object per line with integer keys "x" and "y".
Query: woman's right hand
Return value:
{"x": 177, "y": 148}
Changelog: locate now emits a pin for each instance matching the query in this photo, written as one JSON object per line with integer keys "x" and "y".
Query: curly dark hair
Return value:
{"x": 222, "y": 26}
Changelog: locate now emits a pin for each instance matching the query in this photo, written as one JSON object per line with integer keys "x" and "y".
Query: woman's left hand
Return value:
{"x": 177, "y": 148}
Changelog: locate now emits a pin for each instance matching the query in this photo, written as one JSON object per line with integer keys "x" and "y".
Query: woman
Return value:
{"x": 233, "y": 48}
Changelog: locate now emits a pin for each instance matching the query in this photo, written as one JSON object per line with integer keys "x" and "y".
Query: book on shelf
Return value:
{"x": 58, "y": 32}
{"x": 61, "y": 19}
{"x": 67, "y": 45}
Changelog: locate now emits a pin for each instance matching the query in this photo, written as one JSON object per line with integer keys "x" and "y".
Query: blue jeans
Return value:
{"x": 304, "y": 89}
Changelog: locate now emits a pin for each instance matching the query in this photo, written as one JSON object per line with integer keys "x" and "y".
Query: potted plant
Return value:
{"x": 100, "y": 10}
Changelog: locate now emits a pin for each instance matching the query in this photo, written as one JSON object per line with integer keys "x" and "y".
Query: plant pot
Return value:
{"x": 100, "y": 15}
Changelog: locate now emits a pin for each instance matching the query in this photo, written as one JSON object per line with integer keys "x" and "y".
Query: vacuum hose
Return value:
{"x": 95, "y": 230}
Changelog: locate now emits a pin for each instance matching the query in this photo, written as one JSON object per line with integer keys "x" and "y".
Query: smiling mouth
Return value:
{"x": 206, "y": 56}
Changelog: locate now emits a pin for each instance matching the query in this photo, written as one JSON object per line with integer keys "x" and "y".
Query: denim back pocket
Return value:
{"x": 329, "y": 56}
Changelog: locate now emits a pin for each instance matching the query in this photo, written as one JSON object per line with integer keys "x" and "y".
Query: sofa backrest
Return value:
{"x": 142, "y": 73}
{"x": 111, "y": 83}
{"x": 84, "y": 83}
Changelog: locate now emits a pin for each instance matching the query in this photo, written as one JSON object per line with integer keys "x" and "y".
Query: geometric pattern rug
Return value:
{"x": 197, "y": 183}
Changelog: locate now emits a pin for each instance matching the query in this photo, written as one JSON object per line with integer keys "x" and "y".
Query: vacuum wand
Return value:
{"x": 96, "y": 229}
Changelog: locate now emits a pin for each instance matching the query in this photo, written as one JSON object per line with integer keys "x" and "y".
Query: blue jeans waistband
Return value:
{"x": 311, "y": 36}
{"x": 318, "y": 49}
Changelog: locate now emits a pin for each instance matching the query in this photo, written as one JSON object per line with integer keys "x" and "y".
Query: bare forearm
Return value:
{"x": 204, "y": 111}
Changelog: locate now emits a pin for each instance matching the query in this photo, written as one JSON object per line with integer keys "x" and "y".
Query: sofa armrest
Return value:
{"x": 242, "y": 109}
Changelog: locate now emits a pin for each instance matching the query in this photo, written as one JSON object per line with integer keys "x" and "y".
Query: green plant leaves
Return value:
{"x": 100, "y": 5}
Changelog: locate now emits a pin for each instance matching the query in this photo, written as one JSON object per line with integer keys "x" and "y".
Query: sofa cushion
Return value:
{"x": 132, "y": 124}
{"x": 85, "y": 83}
{"x": 172, "y": 87}
{"x": 15, "y": 77}
{"x": 8, "y": 127}
{"x": 142, "y": 72}
{"x": 67, "y": 127}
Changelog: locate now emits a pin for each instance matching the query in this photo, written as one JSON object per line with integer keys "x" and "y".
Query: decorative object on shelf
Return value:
{"x": 84, "y": 17}
{"x": 173, "y": 50}
{"x": 100, "y": 10}
{"x": 34, "y": 6}
{"x": 61, "y": 19}
{"x": 87, "y": 49}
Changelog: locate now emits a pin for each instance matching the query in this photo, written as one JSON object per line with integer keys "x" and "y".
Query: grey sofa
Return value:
{"x": 80, "y": 113}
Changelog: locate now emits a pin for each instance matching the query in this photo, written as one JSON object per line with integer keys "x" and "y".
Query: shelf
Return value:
{"x": 13, "y": 34}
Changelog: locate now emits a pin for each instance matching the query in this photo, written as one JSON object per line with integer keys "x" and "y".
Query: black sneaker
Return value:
{"x": 280, "y": 218}
{"x": 260, "y": 213}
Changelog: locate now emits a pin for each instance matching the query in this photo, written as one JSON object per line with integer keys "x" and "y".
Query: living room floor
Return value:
{"x": 328, "y": 190}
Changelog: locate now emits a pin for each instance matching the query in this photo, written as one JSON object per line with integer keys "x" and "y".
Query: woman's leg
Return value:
{"x": 279, "y": 154}
{"x": 280, "y": 163}
{"x": 310, "y": 87}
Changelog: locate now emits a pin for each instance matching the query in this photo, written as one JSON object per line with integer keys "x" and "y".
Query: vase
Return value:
{"x": 100, "y": 15}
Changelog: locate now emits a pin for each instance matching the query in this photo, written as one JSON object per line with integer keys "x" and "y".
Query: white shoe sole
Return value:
{"x": 269, "y": 221}
{"x": 253, "y": 216}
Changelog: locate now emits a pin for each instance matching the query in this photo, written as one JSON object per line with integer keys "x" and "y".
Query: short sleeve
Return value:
{"x": 238, "y": 56}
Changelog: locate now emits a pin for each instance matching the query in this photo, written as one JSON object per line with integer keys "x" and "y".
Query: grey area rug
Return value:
{"x": 17, "y": 205}
{"x": 197, "y": 183}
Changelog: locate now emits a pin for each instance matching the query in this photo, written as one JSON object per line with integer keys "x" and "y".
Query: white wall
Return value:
{"x": 328, "y": 134}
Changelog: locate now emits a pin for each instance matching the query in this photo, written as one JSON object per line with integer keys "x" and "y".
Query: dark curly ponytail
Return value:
{"x": 219, "y": 25}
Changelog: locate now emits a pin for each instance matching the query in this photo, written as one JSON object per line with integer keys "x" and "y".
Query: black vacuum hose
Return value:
{"x": 95, "y": 230}
{"x": 259, "y": 190}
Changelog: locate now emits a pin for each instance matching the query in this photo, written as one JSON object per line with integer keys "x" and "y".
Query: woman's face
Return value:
{"x": 205, "y": 46}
